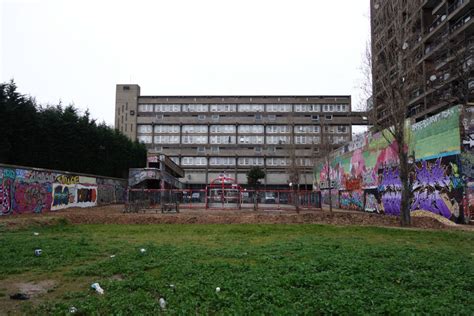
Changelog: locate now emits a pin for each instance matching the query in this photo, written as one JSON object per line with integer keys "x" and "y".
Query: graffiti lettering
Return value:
{"x": 64, "y": 179}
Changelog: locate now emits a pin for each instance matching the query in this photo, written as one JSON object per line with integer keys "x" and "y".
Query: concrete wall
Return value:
{"x": 31, "y": 190}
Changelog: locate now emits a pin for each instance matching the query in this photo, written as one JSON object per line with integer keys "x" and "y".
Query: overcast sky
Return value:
{"x": 77, "y": 51}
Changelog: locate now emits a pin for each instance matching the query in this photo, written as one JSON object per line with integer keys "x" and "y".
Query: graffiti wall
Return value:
{"x": 26, "y": 190}
{"x": 366, "y": 173}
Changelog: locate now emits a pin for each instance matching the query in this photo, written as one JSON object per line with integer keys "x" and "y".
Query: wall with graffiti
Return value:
{"x": 365, "y": 172}
{"x": 28, "y": 190}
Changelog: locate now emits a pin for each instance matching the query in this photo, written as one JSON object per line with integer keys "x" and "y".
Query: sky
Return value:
{"x": 77, "y": 51}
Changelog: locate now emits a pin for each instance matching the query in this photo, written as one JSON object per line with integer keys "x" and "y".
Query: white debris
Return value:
{"x": 173, "y": 286}
{"x": 97, "y": 288}
{"x": 72, "y": 310}
{"x": 218, "y": 289}
{"x": 38, "y": 252}
{"x": 36, "y": 234}
{"x": 112, "y": 256}
{"x": 143, "y": 250}
{"x": 162, "y": 303}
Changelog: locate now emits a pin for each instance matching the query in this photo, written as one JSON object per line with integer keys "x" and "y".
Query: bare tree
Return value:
{"x": 325, "y": 151}
{"x": 293, "y": 170}
{"x": 397, "y": 76}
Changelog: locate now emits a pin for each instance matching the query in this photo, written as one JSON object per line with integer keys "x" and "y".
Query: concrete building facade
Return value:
{"x": 211, "y": 135}
{"x": 442, "y": 41}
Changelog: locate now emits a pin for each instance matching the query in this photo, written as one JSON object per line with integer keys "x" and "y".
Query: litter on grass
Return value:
{"x": 97, "y": 288}
{"x": 162, "y": 303}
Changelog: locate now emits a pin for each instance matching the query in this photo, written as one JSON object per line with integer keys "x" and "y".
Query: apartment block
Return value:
{"x": 211, "y": 135}
{"x": 442, "y": 42}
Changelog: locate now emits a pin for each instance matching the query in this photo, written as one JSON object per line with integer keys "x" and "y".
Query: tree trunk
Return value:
{"x": 406, "y": 190}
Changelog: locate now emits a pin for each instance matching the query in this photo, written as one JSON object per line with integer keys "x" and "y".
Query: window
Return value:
{"x": 222, "y": 139}
{"x": 144, "y": 129}
{"x": 172, "y": 129}
{"x": 223, "y": 108}
{"x": 222, "y": 161}
{"x": 315, "y": 117}
{"x": 214, "y": 149}
{"x": 307, "y": 140}
{"x": 132, "y": 113}
{"x": 201, "y": 117}
{"x": 195, "y": 108}
{"x": 175, "y": 160}
{"x": 307, "y": 108}
{"x": 258, "y": 117}
{"x": 275, "y": 162}
{"x": 278, "y": 140}
{"x": 250, "y": 139}
{"x": 215, "y": 117}
{"x": 328, "y": 117}
{"x": 194, "y": 161}
{"x": 223, "y": 129}
{"x": 165, "y": 139}
{"x": 186, "y": 139}
{"x": 144, "y": 139}
{"x": 126, "y": 88}
{"x": 271, "y": 117}
{"x": 306, "y": 129}
{"x": 278, "y": 129}
{"x": 253, "y": 161}
{"x": 254, "y": 129}
{"x": 258, "y": 149}
{"x": 251, "y": 108}
{"x": 167, "y": 108}
{"x": 145, "y": 108}
{"x": 201, "y": 149}
{"x": 278, "y": 107}
{"x": 198, "y": 129}
{"x": 341, "y": 129}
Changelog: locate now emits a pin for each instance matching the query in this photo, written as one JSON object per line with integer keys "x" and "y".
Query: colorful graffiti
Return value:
{"x": 352, "y": 200}
{"x": 372, "y": 203}
{"x": 25, "y": 190}
{"x": 445, "y": 161}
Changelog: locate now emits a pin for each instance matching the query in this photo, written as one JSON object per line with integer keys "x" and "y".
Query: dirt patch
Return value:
{"x": 113, "y": 214}
{"x": 34, "y": 289}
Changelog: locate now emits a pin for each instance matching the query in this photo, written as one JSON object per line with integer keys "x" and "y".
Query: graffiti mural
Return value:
{"x": 373, "y": 203}
{"x": 352, "y": 200}
{"x": 443, "y": 146}
{"x": 26, "y": 190}
{"x": 32, "y": 197}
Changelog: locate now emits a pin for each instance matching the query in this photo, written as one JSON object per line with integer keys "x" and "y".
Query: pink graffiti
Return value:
{"x": 32, "y": 197}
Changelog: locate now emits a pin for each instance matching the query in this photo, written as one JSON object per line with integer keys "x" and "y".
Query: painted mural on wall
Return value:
{"x": 24, "y": 190}
{"x": 366, "y": 173}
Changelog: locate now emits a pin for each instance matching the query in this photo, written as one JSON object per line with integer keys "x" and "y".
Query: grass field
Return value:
{"x": 261, "y": 269}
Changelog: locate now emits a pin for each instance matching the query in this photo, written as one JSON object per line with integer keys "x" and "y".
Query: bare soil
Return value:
{"x": 113, "y": 214}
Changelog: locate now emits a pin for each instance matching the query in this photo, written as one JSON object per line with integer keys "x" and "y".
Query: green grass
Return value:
{"x": 261, "y": 269}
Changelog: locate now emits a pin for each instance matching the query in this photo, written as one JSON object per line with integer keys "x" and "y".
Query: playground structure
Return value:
{"x": 223, "y": 192}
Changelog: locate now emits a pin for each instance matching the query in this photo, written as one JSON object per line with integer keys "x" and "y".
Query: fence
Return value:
{"x": 142, "y": 199}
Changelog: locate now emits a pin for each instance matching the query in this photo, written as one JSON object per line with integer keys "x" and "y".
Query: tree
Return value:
{"x": 397, "y": 78}
{"x": 326, "y": 149}
{"x": 254, "y": 175}
{"x": 61, "y": 138}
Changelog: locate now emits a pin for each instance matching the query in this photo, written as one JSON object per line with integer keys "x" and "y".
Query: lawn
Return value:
{"x": 261, "y": 269}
